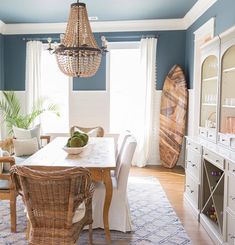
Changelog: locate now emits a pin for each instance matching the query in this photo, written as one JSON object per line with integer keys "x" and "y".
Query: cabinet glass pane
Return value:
{"x": 209, "y": 92}
{"x": 227, "y": 123}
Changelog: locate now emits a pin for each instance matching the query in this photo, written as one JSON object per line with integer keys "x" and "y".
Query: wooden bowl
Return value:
{"x": 74, "y": 150}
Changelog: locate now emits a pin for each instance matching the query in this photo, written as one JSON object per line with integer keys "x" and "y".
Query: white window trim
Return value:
{"x": 200, "y": 34}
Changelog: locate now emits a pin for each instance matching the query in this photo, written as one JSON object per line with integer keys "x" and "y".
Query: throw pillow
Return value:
{"x": 4, "y": 166}
{"x": 93, "y": 132}
{"x": 25, "y": 147}
{"x": 21, "y": 133}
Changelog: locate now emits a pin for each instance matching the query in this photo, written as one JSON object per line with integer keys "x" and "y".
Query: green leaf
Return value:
{"x": 10, "y": 110}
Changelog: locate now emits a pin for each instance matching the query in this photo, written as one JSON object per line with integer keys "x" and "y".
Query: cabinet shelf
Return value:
{"x": 210, "y": 79}
{"x": 209, "y": 104}
{"x": 228, "y": 106}
{"x": 229, "y": 70}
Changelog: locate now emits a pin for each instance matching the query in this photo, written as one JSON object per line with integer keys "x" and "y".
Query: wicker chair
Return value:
{"x": 98, "y": 131}
{"x": 7, "y": 191}
{"x": 52, "y": 199}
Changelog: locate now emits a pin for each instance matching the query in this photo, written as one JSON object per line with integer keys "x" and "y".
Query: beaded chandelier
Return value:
{"x": 78, "y": 54}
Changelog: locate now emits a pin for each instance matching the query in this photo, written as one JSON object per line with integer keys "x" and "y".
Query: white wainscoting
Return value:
{"x": 90, "y": 108}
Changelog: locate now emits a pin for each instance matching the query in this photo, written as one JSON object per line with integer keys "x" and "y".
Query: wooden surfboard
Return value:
{"x": 173, "y": 112}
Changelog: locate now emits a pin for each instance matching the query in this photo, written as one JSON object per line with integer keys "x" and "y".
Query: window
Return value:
{"x": 125, "y": 87}
{"x": 55, "y": 87}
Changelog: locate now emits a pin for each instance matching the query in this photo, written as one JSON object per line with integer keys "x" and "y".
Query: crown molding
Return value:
{"x": 138, "y": 25}
{"x": 102, "y": 26}
{"x": 39, "y": 28}
{"x": 194, "y": 13}
{"x": 199, "y": 8}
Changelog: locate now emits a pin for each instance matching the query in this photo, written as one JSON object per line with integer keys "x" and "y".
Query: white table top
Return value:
{"x": 99, "y": 153}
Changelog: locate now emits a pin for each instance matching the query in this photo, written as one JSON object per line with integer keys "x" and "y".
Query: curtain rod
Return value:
{"x": 132, "y": 36}
{"x": 40, "y": 38}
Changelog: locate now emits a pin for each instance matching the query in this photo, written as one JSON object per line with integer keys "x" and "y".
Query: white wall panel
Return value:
{"x": 91, "y": 108}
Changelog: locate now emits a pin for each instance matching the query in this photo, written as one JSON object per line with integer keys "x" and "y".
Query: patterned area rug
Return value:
{"x": 154, "y": 220}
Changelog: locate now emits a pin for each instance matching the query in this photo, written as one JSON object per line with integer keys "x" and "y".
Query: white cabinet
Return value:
{"x": 210, "y": 187}
{"x": 230, "y": 233}
{"x": 217, "y": 102}
{"x": 210, "y": 157}
{"x": 209, "y": 90}
{"x": 192, "y": 180}
{"x": 227, "y": 90}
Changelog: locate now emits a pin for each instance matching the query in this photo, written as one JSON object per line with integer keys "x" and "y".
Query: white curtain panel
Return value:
{"x": 33, "y": 73}
{"x": 148, "y": 48}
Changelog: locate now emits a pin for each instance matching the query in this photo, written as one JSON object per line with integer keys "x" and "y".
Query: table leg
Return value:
{"x": 108, "y": 197}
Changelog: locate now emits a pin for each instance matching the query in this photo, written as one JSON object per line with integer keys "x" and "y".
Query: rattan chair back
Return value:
{"x": 100, "y": 130}
{"x": 51, "y": 199}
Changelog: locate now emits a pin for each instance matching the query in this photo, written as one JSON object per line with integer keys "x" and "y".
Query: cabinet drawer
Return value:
{"x": 193, "y": 145}
{"x": 214, "y": 158}
{"x": 203, "y": 132}
{"x": 193, "y": 162}
{"x": 211, "y": 134}
{"x": 224, "y": 139}
{"x": 230, "y": 234}
{"x": 231, "y": 168}
{"x": 192, "y": 189}
{"x": 231, "y": 191}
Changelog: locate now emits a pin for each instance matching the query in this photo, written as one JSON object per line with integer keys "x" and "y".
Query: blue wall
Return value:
{"x": 171, "y": 50}
{"x": 223, "y": 11}
{"x": 14, "y": 60}
{"x": 1, "y": 62}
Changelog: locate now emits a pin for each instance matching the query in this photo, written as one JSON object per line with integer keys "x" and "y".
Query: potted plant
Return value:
{"x": 11, "y": 112}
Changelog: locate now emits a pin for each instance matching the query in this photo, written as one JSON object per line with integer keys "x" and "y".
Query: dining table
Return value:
{"x": 98, "y": 157}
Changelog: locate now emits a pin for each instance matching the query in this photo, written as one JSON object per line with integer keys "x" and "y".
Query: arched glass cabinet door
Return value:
{"x": 227, "y": 109}
{"x": 209, "y": 86}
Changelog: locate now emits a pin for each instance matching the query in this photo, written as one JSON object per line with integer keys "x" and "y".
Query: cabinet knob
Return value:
{"x": 202, "y": 132}
{"x": 196, "y": 148}
{"x": 206, "y": 154}
{"x": 231, "y": 236}
{"x": 223, "y": 139}
{"x": 191, "y": 191}
{"x": 217, "y": 160}
{"x": 193, "y": 165}
{"x": 232, "y": 198}
{"x": 233, "y": 170}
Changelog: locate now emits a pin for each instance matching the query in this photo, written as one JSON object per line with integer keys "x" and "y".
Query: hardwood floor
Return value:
{"x": 172, "y": 182}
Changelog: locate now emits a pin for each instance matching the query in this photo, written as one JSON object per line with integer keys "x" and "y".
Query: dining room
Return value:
{"x": 117, "y": 122}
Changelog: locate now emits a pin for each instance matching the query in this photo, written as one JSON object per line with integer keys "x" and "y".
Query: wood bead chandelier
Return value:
{"x": 78, "y": 54}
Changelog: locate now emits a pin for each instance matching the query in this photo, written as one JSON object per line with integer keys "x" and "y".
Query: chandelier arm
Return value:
{"x": 78, "y": 64}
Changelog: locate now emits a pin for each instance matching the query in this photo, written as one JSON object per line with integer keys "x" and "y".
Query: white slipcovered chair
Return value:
{"x": 119, "y": 149}
{"x": 119, "y": 213}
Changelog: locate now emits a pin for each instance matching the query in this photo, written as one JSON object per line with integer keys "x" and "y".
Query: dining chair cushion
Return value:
{"x": 4, "y": 166}
{"x": 21, "y": 133}
{"x": 4, "y": 185}
{"x": 20, "y": 159}
{"x": 25, "y": 147}
{"x": 93, "y": 132}
{"x": 79, "y": 213}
